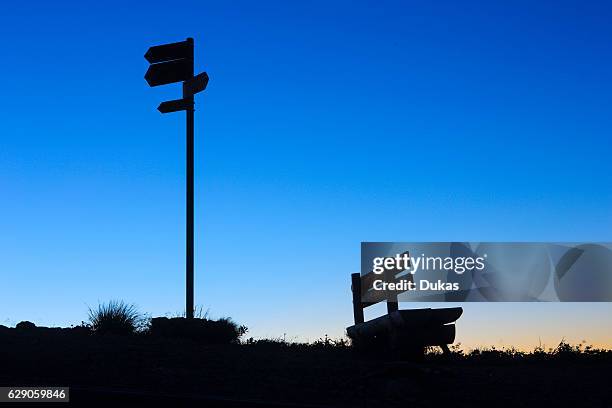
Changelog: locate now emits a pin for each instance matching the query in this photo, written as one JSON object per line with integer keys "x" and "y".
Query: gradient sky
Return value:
{"x": 324, "y": 124}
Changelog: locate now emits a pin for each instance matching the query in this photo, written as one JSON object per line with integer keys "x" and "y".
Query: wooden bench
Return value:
{"x": 404, "y": 333}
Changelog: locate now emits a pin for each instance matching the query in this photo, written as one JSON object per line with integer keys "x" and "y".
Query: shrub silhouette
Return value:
{"x": 201, "y": 330}
{"x": 115, "y": 317}
{"x": 25, "y": 325}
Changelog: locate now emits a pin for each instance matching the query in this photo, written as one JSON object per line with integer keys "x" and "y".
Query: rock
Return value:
{"x": 80, "y": 330}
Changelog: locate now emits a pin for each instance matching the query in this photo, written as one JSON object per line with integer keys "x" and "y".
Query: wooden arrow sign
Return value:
{"x": 196, "y": 84}
{"x": 175, "y": 105}
{"x": 168, "y": 72}
{"x": 172, "y": 51}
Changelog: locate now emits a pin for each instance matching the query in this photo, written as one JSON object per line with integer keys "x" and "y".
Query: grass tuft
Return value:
{"x": 116, "y": 317}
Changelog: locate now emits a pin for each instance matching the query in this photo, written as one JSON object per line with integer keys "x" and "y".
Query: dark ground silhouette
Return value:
{"x": 142, "y": 369}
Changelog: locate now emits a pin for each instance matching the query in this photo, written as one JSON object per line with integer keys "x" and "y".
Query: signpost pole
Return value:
{"x": 189, "y": 227}
{"x": 189, "y": 261}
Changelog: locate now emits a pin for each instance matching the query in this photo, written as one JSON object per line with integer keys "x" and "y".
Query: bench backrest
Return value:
{"x": 361, "y": 286}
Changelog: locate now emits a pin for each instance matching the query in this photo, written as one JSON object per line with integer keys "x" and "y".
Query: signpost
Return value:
{"x": 174, "y": 63}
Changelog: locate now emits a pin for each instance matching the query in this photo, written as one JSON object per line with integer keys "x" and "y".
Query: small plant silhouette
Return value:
{"x": 563, "y": 352}
{"x": 115, "y": 317}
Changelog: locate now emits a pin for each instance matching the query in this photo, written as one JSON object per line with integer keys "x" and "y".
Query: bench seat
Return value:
{"x": 415, "y": 327}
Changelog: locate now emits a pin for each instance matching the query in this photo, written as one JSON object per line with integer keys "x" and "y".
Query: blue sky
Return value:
{"x": 324, "y": 124}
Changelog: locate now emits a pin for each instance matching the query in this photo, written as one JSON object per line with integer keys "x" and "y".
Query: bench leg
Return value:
{"x": 445, "y": 349}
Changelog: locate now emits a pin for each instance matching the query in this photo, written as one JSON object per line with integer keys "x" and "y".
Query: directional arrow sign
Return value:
{"x": 174, "y": 105}
{"x": 196, "y": 84}
{"x": 168, "y": 52}
{"x": 168, "y": 72}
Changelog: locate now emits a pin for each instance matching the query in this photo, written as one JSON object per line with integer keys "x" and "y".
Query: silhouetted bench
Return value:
{"x": 404, "y": 333}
